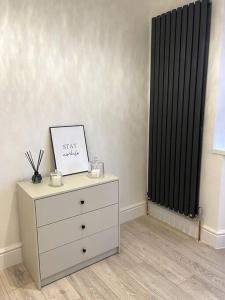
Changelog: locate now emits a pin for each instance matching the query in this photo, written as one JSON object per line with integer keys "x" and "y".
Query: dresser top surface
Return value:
{"x": 70, "y": 183}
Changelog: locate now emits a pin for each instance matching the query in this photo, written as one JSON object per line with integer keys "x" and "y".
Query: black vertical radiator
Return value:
{"x": 179, "y": 56}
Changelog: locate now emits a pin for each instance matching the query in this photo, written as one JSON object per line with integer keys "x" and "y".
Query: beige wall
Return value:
{"x": 72, "y": 62}
{"x": 212, "y": 164}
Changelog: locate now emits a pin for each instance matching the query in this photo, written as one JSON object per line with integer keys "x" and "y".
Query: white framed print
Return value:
{"x": 70, "y": 149}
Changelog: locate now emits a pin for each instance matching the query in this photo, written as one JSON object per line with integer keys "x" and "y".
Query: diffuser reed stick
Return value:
{"x": 29, "y": 159}
{"x": 41, "y": 153}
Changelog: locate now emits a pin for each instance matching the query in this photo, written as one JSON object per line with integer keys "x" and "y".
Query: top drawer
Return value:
{"x": 59, "y": 207}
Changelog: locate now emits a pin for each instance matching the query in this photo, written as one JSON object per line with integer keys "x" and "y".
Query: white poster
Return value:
{"x": 70, "y": 149}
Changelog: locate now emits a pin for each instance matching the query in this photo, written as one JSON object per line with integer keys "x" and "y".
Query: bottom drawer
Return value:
{"x": 67, "y": 256}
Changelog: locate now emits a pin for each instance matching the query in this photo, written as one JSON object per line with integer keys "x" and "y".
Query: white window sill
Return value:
{"x": 218, "y": 151}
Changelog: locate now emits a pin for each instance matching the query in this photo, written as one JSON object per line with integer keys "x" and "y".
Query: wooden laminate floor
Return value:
{"x": 156, "y": 262}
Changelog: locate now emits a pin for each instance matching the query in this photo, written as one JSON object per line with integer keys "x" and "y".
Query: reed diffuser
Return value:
{"x": 36, "y": 178}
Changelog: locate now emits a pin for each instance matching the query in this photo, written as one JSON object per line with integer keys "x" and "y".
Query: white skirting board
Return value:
{"x": 180, "y": 222}
{"x": 132, "y": 212}
{"x": 215, "y": 239}
{"x": 12, "y": 255}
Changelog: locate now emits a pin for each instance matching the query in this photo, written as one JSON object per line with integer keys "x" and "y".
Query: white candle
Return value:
{"x": 95, "y": 173}
{"x": 56, "y": 180}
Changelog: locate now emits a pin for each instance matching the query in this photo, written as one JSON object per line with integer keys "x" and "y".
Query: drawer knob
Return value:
{"x": 83, "y": 226}
{"x": 84, "y": 250}
{"x": 81, "y": 201}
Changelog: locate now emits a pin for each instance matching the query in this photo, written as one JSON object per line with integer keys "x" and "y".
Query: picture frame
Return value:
{"x": 70, "y": 149}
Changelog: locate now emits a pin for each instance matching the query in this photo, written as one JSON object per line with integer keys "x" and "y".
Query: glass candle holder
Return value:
{"x": 56, "y": 179}
{"x": 96, "y": 168}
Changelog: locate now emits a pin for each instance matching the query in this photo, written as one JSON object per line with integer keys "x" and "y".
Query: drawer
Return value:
{"x": 69, "y": 230}
{"x": 67, "y": 256}
{"x": 67, "y": 205}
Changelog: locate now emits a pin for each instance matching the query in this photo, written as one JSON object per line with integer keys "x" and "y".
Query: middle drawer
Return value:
{"x": 63, "y": 232}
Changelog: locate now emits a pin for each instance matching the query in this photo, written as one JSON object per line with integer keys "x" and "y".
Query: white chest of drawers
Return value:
{"x": 67, "y": 228}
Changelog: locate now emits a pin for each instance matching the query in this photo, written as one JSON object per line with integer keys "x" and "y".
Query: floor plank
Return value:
{"x": 27, "y": 292}
{"x": 119, "y": 281}
{"x": 126, "y": 259}
{"x": 156, "y": 262}
{"x": 90, "y": 286}
{"x": 157, "y": 284}
{"x": 15, "y": 277}
{"x": 60, "y": 290}
{"x": 154, "y": 257}
{"x": 206, "y": 252}
{"x": 3, "y": 293}
{"x": 201, "y": 290}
